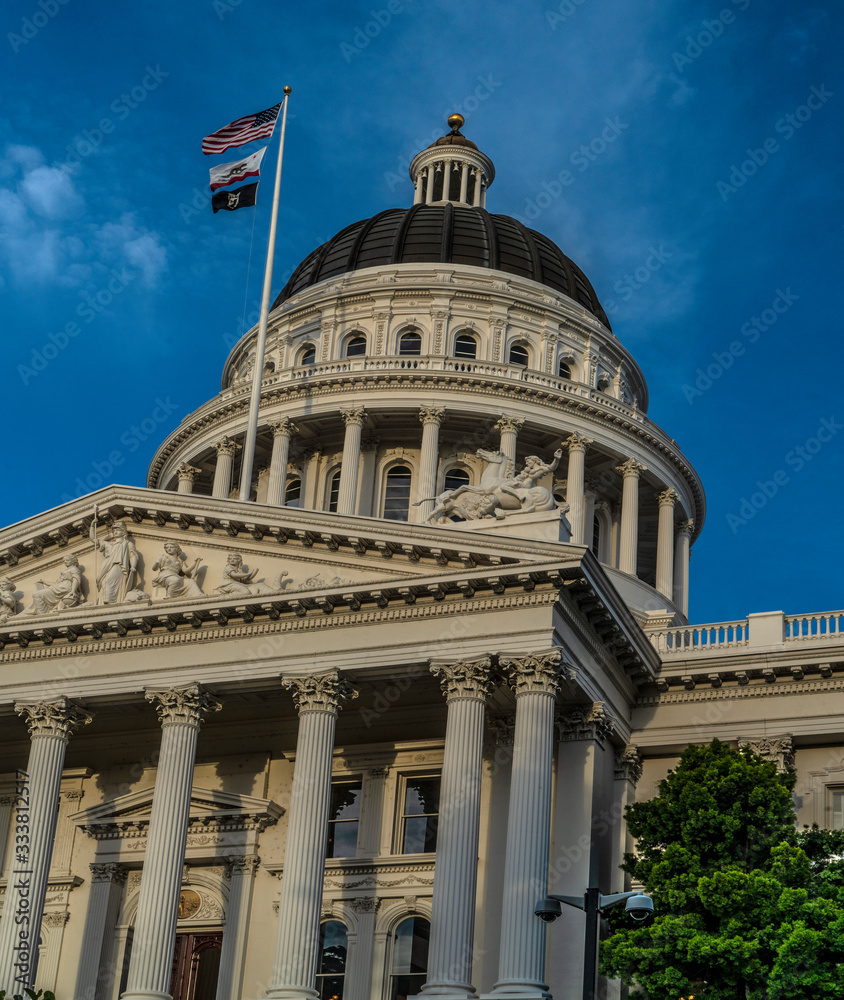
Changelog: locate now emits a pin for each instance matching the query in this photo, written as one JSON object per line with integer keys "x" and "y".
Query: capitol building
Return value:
{"x": 336, "y": 741}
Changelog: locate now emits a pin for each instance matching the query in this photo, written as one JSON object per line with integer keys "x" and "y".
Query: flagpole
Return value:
{"x": 261, "y": 346}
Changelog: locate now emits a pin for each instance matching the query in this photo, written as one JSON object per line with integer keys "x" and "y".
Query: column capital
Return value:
{"x": 628, "y": 764}
{"x": 187, "y": 472}
{"x": 503, "y": 729}
{"x": 183, "y": 706}
{"x": 472, "y": 679}
{"x": 366, "y": 904}
{"x": 779, "y": 750}
{"x": 227, "y": 446}
{"x": 241, "y": 865}
{"x": 282, "y": 426}
{"x": 112, "y": 872}
{"x": 586, "y": 722}
{"x": 58, "y": 717}
{"x": 686, "y": 527}
{"x": 536, "y": 673}
{"x": 631, "y": 468}
{"x": 354, "y": 416}
{"x": 431, "y": 415}
{"x": 577, "y": 442}
{"x": 319, "y": 692}
{"x": 668, "y": 497}
{"x": 510, "y": 424}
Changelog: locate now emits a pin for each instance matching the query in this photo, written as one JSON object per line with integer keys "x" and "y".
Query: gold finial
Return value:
{"x": 455, "y": 122}
{"x": 288, "y": 90}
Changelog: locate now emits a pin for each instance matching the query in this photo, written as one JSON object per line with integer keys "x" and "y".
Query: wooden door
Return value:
{"x": 196, "y": 964}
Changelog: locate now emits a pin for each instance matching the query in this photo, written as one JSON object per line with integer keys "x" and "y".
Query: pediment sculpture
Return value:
{"x": 175, "y": 576}
{"x": 501, "y": 492}
{"x": 66, "y": 592}
{"x": 118, "y": 572}
{"x": 238, "y": 581}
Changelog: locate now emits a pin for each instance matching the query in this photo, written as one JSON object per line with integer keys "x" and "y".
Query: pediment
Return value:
{"x": 155, "y": 550}
{"x": 207, "y": 805}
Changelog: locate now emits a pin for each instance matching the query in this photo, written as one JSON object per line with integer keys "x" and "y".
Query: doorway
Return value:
{"x": 196, "y": 965}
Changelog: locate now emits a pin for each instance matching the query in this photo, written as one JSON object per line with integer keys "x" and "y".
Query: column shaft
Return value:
{"x": 417, "y": 192}
{"x": 187, "y": 476}
{"x": 456, "y": 874}
{"x": 294, "y": 970}
{"x": 278, "y": 461}
{"x": 476, "y": 200}
{"x": 464, "y": 182}
{"x": 50, "y": 725}
{"x": 630, "y": 516}
{"x": 431, "y": 418}
{"x": 107, "y": 882}
{"x": 681, "y": 566}
{"x": 346, "y": 501}
{"x": 577, "y": 445}
{"x": 150, "y": 966}
{"x": 509, "y": 428}
{"x": 521, "y": 968}
{"x": 665, "y": 543}
{"x": 429, "y": 192}
{"x": 241, "y": 871}
{"x": 223, "y": 470}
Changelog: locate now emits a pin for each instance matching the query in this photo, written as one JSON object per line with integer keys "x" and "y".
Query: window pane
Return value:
{"x": 518, "y": 355}
{"x": 455, "y": 478}
{"x": 838, "y": 809}
{"x": 334, "y": 492}
{"x": 421, "y": 806}
{"x": 420, "y": 835}
{"x": 596, "y": 535}
{"x": 565, "y": 370}
{"x": 331, "y": 967}
{"x": 410, "y": 958}
{"x": 465, "y": 346}
{"x": 293, "y": 493}
{"x": 343, "y": 821}
{"x": 356, "y": 346}
{"x": 422, "y": 795}
{"x": 397, "y": 494}
{"x": 410, "y": 343}
{"x": 308, "y": 356}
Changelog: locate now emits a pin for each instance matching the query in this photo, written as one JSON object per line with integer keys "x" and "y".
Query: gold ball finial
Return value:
{"x": 288, "y": 90}
{"x": 455, "y": 122}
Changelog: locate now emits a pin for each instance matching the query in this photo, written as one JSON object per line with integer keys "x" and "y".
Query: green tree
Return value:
{"x": 746, "y": 908}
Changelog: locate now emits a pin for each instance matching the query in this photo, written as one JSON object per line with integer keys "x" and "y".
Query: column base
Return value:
{"x": 446, "y": 991}
{"x": 291, "y": 993}
{"x": 518, "y": 990}
{"x": 145, "y": 995}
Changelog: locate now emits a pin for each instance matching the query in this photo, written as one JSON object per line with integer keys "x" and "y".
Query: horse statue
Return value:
{"x": 500, "y": 491}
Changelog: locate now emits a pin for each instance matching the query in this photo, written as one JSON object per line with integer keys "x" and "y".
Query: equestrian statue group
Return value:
{"x": 501, "y": 491}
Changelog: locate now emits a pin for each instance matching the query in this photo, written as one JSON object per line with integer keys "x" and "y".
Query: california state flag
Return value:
{"x": 231, "y": 173}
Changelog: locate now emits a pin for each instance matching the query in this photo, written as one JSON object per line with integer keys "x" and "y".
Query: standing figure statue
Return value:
{"x": 8, "y": 598}
{"x": 176, "y": 578}
{"x": 116, "y": 575}
{"x": 66, "y": 592}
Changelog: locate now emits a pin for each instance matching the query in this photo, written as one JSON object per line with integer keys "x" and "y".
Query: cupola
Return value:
{"x": 451, "y": 170}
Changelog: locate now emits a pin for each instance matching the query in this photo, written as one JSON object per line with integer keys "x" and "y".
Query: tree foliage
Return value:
{"x": 746, "y": 908}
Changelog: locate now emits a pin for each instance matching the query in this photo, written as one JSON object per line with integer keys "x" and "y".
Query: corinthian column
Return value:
{"x": 630, "y": 515}
{"x": 181, "y": 711}
{"x": 187, "y": 476}
{"x": 226, "y": 449}
{"x": 107, "y": 881}
{"x": 353, "y": 419}
{"x": 318, "y": 698}
{"x": 240, "y": 871}
{"x": 37, "y": 798}
{"x": 466, "y": 686}
{"x": 282, "y": 429}
{"x": 431, "y": 417}
{"x": 509, "y": 427}
{"x": 521, "y": 963}
{"x": 577, "y": 445}
{"x": 681, "y": 565}
{"x": 665, "y": 543}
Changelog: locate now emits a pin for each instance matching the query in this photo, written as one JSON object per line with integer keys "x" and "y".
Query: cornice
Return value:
{"x": 760, "y": 688}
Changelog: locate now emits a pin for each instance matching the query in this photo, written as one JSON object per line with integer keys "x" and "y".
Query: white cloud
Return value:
{"x": 50, "y": 193}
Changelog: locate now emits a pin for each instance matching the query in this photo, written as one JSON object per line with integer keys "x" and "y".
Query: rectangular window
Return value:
{"x": 343, "y": 819}
{"x": 836, "y": 800}
{"x": 420, "y": 812}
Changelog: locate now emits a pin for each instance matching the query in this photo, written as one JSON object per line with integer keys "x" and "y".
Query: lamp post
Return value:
{"x": 594, "y": 903}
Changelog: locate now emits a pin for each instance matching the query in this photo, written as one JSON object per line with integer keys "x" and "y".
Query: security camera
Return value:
{"x": 548, "y": 909}
{"x": 639, "y": 907}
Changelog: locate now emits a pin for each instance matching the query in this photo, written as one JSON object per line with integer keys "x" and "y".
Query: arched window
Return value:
{"x": 603, "y": 384}
{"x": 331, "y": 964}
{"x": 564, "y": 370}
{"x": 410, "y": 958}
{"x": 465, "y": 346}
{"x": 355, "y": 347}
{"x": 519, "y": 355}
{"x": 333, "y": 492}
{"x": 307, "y": 355}
{"x": 596, "y": 536}
{"x": 397, "y": 493}
{"x": 410, "y": 343}
{"x": 455, "y": 478}
{"x": 293, "y": 492}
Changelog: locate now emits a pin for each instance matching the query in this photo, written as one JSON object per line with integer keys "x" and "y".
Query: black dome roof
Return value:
{"x": 448, "y": 234}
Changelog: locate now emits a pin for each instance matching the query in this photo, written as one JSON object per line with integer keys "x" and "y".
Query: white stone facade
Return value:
{"x": 214, "y": 687}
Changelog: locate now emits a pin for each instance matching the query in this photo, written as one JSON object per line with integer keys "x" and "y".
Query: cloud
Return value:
{"x": 50, "y": 193}
{"x": 795, "y": 38}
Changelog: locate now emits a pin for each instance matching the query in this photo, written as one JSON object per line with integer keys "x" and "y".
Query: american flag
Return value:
{"x": 245, "y": 129}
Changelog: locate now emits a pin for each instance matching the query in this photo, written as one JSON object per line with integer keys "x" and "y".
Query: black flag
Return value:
{"x": 228, "y": 201}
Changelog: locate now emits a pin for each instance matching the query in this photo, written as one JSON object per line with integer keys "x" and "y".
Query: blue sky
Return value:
{"x": 710, "y": 223}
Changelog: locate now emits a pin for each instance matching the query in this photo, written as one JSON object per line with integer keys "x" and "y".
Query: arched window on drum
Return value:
{"x": 397, "y": 493}
{"x": 409, "y": 965}
{"x": 331, "y": 963}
